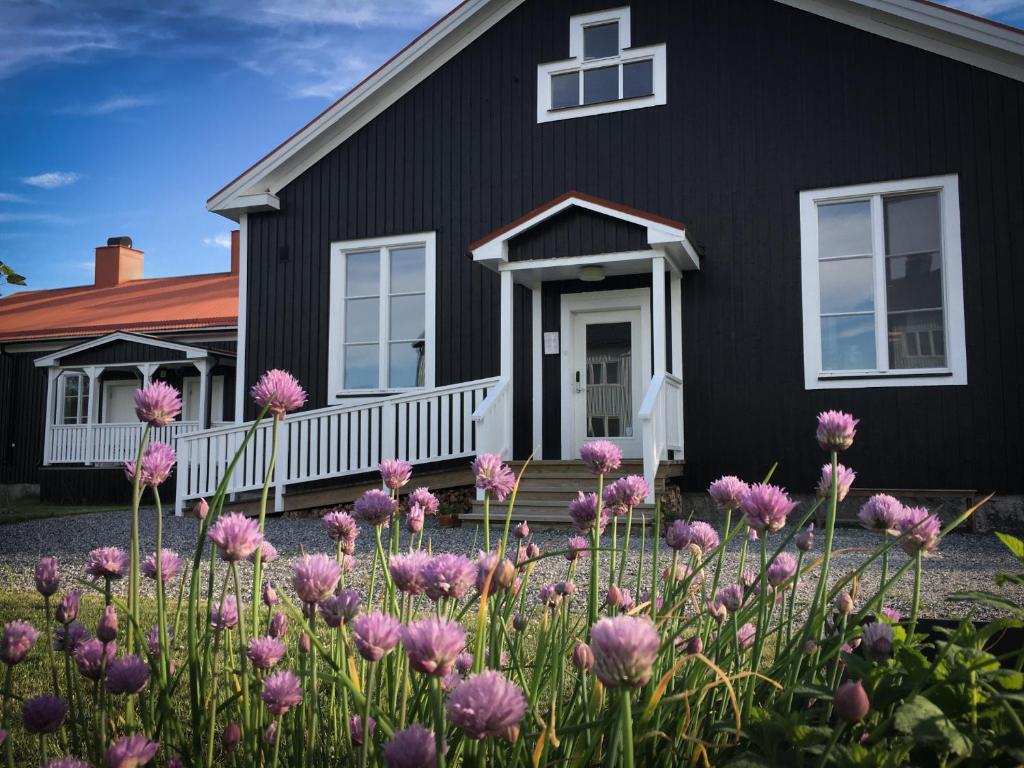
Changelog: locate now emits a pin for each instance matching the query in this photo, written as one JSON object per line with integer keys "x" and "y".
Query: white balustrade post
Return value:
{"x": 658, "y": 313}
{"x": 181, "y": 473}
{"x": 51, "y": 378}
{"x": 204, "y": 392}
{"x": 388, "y": 422}
{"x": 92, "y": 412}
{"x": 281, "y": 465}
{"x": 676, "y": 291}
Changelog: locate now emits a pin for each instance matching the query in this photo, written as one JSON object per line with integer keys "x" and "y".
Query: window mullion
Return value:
{"x": 878, "y": 260}
{"x": 384, "y": 332}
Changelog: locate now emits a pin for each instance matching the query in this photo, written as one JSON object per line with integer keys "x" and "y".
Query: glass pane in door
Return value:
{"x": 609, "y": 389}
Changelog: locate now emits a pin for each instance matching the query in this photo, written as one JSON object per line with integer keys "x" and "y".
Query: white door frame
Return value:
{"x": 595, "y": 304}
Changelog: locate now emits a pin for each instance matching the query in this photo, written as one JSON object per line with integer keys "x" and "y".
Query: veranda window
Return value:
{"x": 74, "y": 398}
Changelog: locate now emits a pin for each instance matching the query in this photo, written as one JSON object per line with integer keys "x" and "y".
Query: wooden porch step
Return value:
{"x": 540, "y": 513}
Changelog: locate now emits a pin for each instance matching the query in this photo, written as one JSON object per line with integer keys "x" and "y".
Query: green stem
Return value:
{"x": 8, "y": 742}
{"x": 439, "y": 726}
{"x": 487, "y": 521}
{"x": 243, "y": 678}
{"x": 627, "y": 729}
{"x": 257, "y": 574}
{"x": 916, "y": 605}
{"x": 371, "y": 678}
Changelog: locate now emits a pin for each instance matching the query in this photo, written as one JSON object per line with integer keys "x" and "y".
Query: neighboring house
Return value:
{"x": 72, "y": 358}
{"x": 546, "y": 222}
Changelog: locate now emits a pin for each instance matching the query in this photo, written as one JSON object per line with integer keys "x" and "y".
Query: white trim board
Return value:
{"x": 939, "y": 30}
{"x": 191, "y": 352}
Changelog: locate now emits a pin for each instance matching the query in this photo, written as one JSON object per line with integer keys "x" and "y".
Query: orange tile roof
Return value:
{"x": 154, "y": 304}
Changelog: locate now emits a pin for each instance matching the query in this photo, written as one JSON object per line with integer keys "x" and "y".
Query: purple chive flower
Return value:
{"x": 487, "y": 704}
{"x": 47, "y": 576}
{"x": 625, "y": 493}
{"x": 728, "y": 491}
{"x": 279, "y": 392}
{"x": 265, "y": 652}
{"x": 342, "y": 528}
{"x": 624, "y": 648}
{"x": 805, "y": 539}
{"x": 433, "y": 645}
{"x": 130, "y": 752}
{"x": 502, "y": 572}
{"x": 127, "y": 674}
{"x": 68, "y": 607}
{"x": 414, "y": 520}
{"x": 236, "y": 536}
{"x": 613, "y": 597}
{"x": 278, "y": 625}
{"x": 170, "y": 565}
{"x": 314, "y": 577}
{"x": 851, "y": 701}
{"x": 157, "y": 404}
{"x": 748, "y": 579}
{"x": 341, "y": 608}
{"x": 153, "y": 639}
{"x": 717, "y": 610}
{"x": 107, "y": 563}
{"x": 201, "y": 509}
{"x": 493, "y": 476}
{"x": 845, "y": 476}
{"x": 424, "y": 498}
{"x": 745, "y": 637}
{"x": 408, "y": 571}
{"x": 92, "y": 655}
{"x": 922, "y": 529}
{"x": 157, "y": 463}
{"x": 68, "y": 637}
{"x": 781, "y": 569}
{"x": 601, "y": 456}
{"x": 548, "y": 596}
{"x": 520, "y": 622}
{"x": 375, "y": 635}
{"x": 891, "y": 615}
{"x": 43, "y": 714}
{"x": 356, "y": 731}
{"x": 270, "y": 598}
{"x": 881, "y": 513}
{"x": 412, "y": 748}
{"x": 522, "y": 530}
{"x": 464, "y": 663}
{"x": 626, "y": 601}
{"x": 583, "y": 511}
{"x": 395, "y": 473}
{"x": 231, "y": 737}
{"x": 281, "y": 691}
{"x": 766, "y": 507}
{"x": 448, "y": 575}
{"x": 265, "y": 552}
{"x": 582, "y": 657}
{"x": 532, "y": 551}
{"x": 224, "y": 615}
{"x": 878, "y": 640}
{"x": 682, "y": 534}
{"x": 836, "y": 430}
{"x": 578, "y": 547}
{"x": 375, "y": 507}
{"x": 16, "y": 641}
{"x": 731, "y": 596}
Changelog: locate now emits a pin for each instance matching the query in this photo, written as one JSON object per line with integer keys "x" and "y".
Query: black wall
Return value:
{"x": 763, "y": 101}
{"x": 22, "y": 416}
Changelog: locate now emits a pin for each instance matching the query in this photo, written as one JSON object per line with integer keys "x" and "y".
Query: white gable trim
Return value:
{"x": 191, "y": 353}
{"x": 940, "y": 30}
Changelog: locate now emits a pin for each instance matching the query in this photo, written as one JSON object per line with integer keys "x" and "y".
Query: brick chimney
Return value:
{"x": 117, "y": 262}
{"x": 234, "y": 251}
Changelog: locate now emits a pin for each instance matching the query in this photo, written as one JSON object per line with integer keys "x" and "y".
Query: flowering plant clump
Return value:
{"x": 465, "y": 659}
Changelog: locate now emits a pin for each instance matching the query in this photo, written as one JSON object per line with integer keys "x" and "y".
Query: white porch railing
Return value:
{"x": 339, "y": 440}
{"x": 107, "y": 443}
{"x": 493, "y": 420}
{"x": 661, "y": 423}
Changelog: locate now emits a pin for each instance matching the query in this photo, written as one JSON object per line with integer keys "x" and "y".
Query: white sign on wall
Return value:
{"x": 551, "y": 342}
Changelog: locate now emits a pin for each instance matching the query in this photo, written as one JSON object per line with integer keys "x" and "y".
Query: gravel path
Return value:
{"x": 965, "y": 561}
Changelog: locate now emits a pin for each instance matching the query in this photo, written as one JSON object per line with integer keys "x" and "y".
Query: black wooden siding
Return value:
{"x": 577, "y": 232}
{"x": 120, "y": 352}
{"x": 22, "y": 416}
{"x": 763, "y": 101}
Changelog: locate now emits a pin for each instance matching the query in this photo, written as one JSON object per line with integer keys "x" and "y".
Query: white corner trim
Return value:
{"x": 191, "y": 352}
{"x": 243, "y": 316}
{"x": 952, "y": 285}
{"x": 536, "y": 326}
{"x": 335, "y": 357}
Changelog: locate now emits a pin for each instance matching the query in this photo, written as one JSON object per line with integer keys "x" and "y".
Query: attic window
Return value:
{"x": 605, "y": 74}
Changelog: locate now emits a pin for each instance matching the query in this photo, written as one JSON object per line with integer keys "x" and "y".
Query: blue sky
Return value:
{"x": 122, "y": 117}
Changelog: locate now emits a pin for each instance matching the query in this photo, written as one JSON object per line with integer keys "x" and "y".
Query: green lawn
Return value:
{"x": 33, "y": 509}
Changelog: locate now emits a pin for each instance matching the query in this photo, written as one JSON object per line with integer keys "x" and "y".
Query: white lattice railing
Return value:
{"x": 661, "y": 422}
{"x": 339, "y": 440}
{"x": 107, "y": 443}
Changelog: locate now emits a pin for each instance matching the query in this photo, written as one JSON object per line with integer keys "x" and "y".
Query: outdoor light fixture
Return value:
{"x": 592, "y": 274}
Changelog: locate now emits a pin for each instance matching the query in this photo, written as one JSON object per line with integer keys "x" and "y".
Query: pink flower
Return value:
{"x": 341, "y": 608}
{"x": 583, "y": 511}
{"x": 845, "y": 477}
{"x": 106, "y": 630}
{"x": 766, "y": 507}
{"x": 414, "y": 747}
{"x": 107, "y": 563}
{"x": 281, "y": 691}
{"x": 682, "y": 534}
{"x": 502, "y": 572}
{"x": 43, "y": 714}
{"x": 891, "y": 615}
{"x": 236, "y": 536}
{"x": 170, "y": 565}
{"x": 487, "y": 704}
{"x": 279, "y": 392}
{"x": 375, "y": 635}
{"x": 157, "y": 404}
{"x": 130, "y": 752}
{"x": 231, "y": 737}
{"x": 265, "y": 552}
{"x": 91, "y": 656}
{"x": 407, "y": 571}
{"x": 16, "y": 641}
{"x": 414, "y": 520}
{"x": 270, "y": 598}
{"x": 601, "y": 456}
{"x": 582, "y": 657}
{"x": 522, "y": 530}
{"x": 224, "y": 615}
{"x": 493, "y": 476}
{"x": 781, "y": 569}
{"x": 157, "y": 463}
{"x": 375, "y": 507}
{"x": 448, "y": 575}
{"x": 836, "y": 430}
{"x": 355, "y": 729}
{"x": 68, "y": 607}
{"x": 127, "y": 675}
{"x": 342, "y": 528}
{"x": 624, "y": 648}
{"x": 851, "y": 702}
{"x": 578, "y": 547}
{"x": 425, "y": 499}
{"x": 200, "y": 509}
{"x": 433, "y": 645}
{"x": 314, "y": 577}
{"x": 922, "y": 529}
{"x": 625, "y": 493}
{"x": 395, "y": 473}
{"x": 47, "y": 576}
{"x": 878, "y": 639}
{"x": 68, "y": 637}
{"x": 731, "y": 597}
{"x": 745, "y": 637}
{"x": 728, "y": 491}
{"x": 278, "y": 625}
{"x": 881, "y": 513}
{"x": 805, "y": 539}
{"x": 265, "y": 652}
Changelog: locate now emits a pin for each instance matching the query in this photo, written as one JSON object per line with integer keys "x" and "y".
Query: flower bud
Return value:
{"x": 47, "y": 576}
{"x": 519, "y": 622}
{"x": 532, "y": 551}
{"x": 278, "y": 625}
{"x": 582, "y": 657}
{"x": 522, "y": 530}
{"x": 805, "y": 539}
{"x": 810, "y": 648}
{"x": 231, "y": 737}
{"x": 304, "y": 644}
{"x": 614, "y": 596}
{"x": 695, "y": 645}
{"x": 175, "y": 762}
{"x": 68, "y": 607}
{"x": 270, "y": 598}
{"x": 504, "y": 573}
{"x": 271, "y": 734}
{"x": 851, "y": 702}
{"x": 200, "y": 509}
{"x": 844, "y": 603}
{"x": 106, "y": 632}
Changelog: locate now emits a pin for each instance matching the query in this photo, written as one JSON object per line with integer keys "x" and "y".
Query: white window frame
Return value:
{"x": 336, "y": 338}
{"x": 82, "y": 406}
{"x": 576, "y": 63}
{"x": 955, "y": 372}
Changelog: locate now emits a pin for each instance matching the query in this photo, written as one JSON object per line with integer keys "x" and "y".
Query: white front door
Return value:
{"x": 119, "y": 402}
{"x": 605, "y": 368}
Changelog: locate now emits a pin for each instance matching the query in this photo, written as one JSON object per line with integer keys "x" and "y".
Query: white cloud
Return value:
{"x": 220, "y": 240}
{"x": 7, "y": 197}
{"x": 8, "y": 218}
{"x": 51, "y": 180}
{"x": 106, "y": 106}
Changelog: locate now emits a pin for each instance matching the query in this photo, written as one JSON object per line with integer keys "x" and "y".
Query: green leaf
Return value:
{"x": 921, "y": 719}
{"x": 986, "y": 598}
{"x": 1015, "y": 545}
{"x": 1010, "y": 679}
